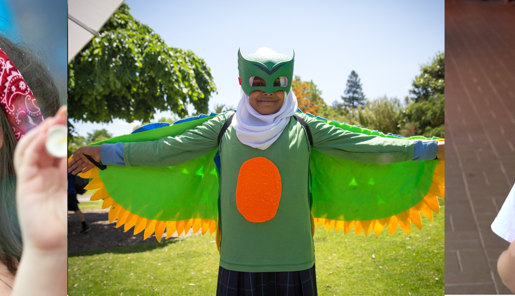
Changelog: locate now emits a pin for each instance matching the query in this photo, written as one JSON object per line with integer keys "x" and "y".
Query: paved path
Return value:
{"x": 480, "y": 134}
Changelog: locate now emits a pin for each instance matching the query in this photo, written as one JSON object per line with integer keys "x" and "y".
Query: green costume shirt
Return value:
{"x": 284, "y": 242}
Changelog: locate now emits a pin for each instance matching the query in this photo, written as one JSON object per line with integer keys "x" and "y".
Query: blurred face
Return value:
{"x": 266, "y": 103}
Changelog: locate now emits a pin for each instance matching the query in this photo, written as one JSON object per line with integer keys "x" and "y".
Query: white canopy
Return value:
{"x": 85, "y": 19}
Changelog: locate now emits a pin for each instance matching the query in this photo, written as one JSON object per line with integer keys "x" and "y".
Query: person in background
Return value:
{"x": 75, "y": 188}
{"x": 506, "y": 267}
{"x": 504, "y": 227}
{"x": 33, "y": 231}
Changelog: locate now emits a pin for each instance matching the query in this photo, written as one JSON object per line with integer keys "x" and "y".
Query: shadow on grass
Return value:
{"x": 104, "y": 237}
{"x": 139, "y": 248}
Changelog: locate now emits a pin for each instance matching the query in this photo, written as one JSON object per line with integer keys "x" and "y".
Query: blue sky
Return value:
{"x": 385, "y": 42}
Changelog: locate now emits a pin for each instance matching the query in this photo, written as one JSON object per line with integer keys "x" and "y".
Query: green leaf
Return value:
{"x": 128, "y": 72}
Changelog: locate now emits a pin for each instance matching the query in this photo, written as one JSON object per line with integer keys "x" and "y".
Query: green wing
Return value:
{"x": 160, "y": 199}
{"x": 345, "y": 194}
{"x": 348, "y": 194}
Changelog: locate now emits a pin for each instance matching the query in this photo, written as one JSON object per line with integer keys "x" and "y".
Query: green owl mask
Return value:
{"x": 268, "y": 65}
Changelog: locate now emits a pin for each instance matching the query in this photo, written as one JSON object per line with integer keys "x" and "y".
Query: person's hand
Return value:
{"x": 506, "y": 267}
{"x": 79, "y": 163}
{"x": 440, "y": 152}
{"x": 41, "y": 186}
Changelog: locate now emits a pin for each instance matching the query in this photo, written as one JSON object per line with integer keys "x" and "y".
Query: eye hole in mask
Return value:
{"x": 258, "y": 81}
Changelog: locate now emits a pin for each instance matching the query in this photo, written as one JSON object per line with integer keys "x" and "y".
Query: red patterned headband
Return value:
{"x": 17, "y": 99}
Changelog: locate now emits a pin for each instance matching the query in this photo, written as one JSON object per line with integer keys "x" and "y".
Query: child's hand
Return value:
{"x": 440, "y": 152}
{"x": 41, "y": 189}
{"x": 506, "y": 267}
{"x": 79, "y": 162}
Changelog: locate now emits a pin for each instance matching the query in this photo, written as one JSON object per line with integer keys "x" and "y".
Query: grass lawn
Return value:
{"x": 399, "y": 264}
{"x": 90, "y": 205}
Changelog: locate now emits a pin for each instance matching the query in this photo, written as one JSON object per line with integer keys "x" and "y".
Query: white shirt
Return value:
{"x": 504, "y": 223}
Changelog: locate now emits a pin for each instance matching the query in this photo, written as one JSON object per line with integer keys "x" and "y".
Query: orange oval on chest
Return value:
{"x": 258, "y": 191}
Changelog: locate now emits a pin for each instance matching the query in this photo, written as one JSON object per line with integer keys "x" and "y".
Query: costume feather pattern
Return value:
{"x": 345, "y": 194}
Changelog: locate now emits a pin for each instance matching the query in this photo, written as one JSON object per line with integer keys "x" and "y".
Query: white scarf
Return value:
{"x": 260, "y": 131}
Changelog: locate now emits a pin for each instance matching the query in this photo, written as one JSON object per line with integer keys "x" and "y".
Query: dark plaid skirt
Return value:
{"x": 293, "y": 283}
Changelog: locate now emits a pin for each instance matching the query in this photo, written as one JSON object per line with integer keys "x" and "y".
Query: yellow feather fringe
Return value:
{"x": 149, "y": 226}
{"x": 426, "y": 207}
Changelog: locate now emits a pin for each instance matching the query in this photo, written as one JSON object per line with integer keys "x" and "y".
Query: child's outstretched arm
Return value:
{"x": 41, "y": 202}
{"x": 168, "y": 150}
{"x": 506, "y": 267}
{"x": 365, "y": 147}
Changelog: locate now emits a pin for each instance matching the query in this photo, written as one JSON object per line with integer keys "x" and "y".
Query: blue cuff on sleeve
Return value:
{"x": 425, "y": 150}
{"x": 112, "y": 154}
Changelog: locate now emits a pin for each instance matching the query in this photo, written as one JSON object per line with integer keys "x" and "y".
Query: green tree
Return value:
{"x": 219, "y": 108}
{"x": 75, "y": 143}
{"x": 431, "y": 81}
{"x": 353, "y": 94}
{"x": 384, "y": 114}
{"x": 97, "y": 135}
{"x": 75, "y": 140}
{"x": 337, "y": 112}
{"x": 426, "y": 117}
{"x": 130, "y": 73}
{"x": 425, "y": 114}
{"x": 170, "y": 120}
